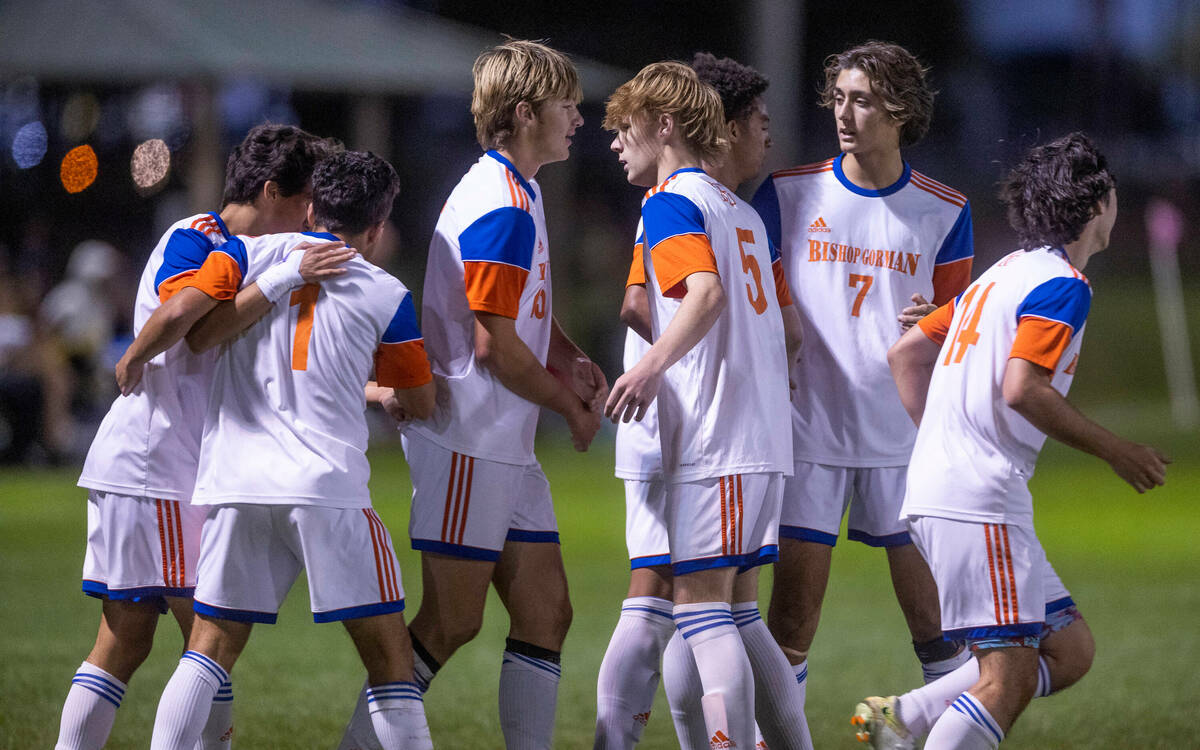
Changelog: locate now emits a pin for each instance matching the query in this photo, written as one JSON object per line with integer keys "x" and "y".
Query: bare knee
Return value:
{"x": 545, "y": 624}
{"x": 1069, "y": 653}
{"x": 125, "y": 637}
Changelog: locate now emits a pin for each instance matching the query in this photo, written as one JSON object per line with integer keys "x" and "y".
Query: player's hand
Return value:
{"x": 1143, "y": 466}
{"x": 584, "y": 424}
{"x": 910, "y": 315}
{"x": 632, "y": 394}
{"x": 392, "y": 406}
{"x": 322, "y": 260}
{"x": 589, "y": 383}
{"x": 129, "y": 374}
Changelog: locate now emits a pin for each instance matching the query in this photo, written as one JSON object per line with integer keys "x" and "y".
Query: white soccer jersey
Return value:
{"x": 149, "y": 442}
{"x": 285, "y": 423}
{"x": 722, "y": 407}
{"x": 489, "y": 253}
{"x": 854, "y": 258}
{"x": 974, "y": 455}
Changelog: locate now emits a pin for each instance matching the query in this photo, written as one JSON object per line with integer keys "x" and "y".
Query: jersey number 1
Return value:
{"x": 758, "y": 299}
{"x": 306, "y": 297}
{"x": 968, "y": 325}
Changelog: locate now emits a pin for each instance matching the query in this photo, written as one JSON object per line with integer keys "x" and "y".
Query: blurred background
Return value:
{"x": 116, "y": 118}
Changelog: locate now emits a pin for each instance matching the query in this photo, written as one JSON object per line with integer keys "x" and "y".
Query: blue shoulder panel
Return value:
{"x": 959, "y": 243}
{"x": 668, "y": 215}
{"x": 236, "y": 249}
{"x": 186, "y": 250}
{"x": 404, "y": 325}
{"x": 1064, "y": 299}
{"x": 505, "y": 235}
{"x": 766, "y": 202}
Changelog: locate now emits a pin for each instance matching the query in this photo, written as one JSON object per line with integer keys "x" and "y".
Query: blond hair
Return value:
{"x": 672, "y": 88}
{"x": 513, "y": 72}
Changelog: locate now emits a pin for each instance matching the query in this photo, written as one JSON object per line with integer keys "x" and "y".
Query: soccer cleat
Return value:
{"x": 877, "y": 723}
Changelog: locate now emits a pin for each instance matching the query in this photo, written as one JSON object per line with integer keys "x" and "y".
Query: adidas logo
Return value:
{"x": 719, "y": 740}
{"x": 643, "y": 718}
{"x": 818, "y": 226}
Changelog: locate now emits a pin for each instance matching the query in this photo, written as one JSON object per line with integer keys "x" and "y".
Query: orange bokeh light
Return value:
{"x": 79, "y": 168}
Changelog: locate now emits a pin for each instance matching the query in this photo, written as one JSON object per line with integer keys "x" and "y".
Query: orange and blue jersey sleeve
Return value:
{"x": 497, "y": 253}
{"x": 936, "y": 325}
{"x": 782, "y": 293}
{"x": 191, "y": 260}
{"x": 952, "y": 265}
{"x": 400, "y": 360}
{"x": 1048, "y": 318}
{"x": 637, "y": 268}
{"x": 673, "y": 228}
{"x": 766, "y": 203}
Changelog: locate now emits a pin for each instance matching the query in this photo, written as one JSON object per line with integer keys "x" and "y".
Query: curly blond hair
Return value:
{"x": 672, "y": 88}
{"x": 896, "y": 75}
{"x": 514, "y": 72}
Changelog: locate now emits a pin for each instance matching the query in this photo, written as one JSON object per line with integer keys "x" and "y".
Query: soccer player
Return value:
{"x": 861, "y": 234}
{"x": 985, "y": 377}
{"x": 290, "y": 392}
{"x": 722, "y": 407}
{"x": 143, "y": 531}
{"x": 482, "y": 511}
{"x": 629, "y": 674}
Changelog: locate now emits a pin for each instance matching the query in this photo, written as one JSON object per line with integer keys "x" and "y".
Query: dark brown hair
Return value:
{"x": 896, "y": 75}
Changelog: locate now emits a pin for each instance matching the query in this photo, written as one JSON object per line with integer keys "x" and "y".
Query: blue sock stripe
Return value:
{"x": 968, "y": 708}
{"x": 213, "y": 668}
{"x": 542, "y": 664}
{"x": 412, "y": 695}
{"x": 684, "y": 622}
{"x": 116, "y": 689}
{"x": 802, "y": 676}
{"x": 98, "y": 690}
{"x": 745, "y": 620}
{"x": 385, "y": 690}
{"x": 700, "y": 629}
{"x": 651, "y": 610}
{"x": 683, "y": 615}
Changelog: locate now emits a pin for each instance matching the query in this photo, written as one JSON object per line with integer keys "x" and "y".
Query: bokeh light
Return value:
{"x": 29, "y": 145}
{"x": 80, "y": 114}
{"x": 79, "y": 168}
{"x": 150, "y": 163}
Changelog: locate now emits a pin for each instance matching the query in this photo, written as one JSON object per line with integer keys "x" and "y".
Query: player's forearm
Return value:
{"x": 793, "y": 333}
{"x": 417, "y": 402}
{"x": 562, "y": 352}
{"x": 911, "y": 360}
{"x": 228, "y": 319}
{"x": 169, "y": 324}
{"x": 699, "y": 310}
{"x": 635, "y": 310}
{"x": 1030, "y": 394}
{"x": 501, "y": 352}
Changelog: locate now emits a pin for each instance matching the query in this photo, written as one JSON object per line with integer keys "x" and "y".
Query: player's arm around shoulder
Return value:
{"x": 1027, "y": 390}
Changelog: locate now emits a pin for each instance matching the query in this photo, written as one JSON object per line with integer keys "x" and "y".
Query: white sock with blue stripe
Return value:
{"x": 90, "y": 708}
{"x": 398, "y": 716}
{"x": 629, "y": 674}
{"x": 218, "y": 730}
{"x": 920, "y": 708}
{"x": 724, "y": 669}
{"x": 682, "y": 684}
{"x": 778, "y": 701}
{"x": 966, "y": 725}
{"x": 186, "y": 702}
{"x": 529, "y": 678}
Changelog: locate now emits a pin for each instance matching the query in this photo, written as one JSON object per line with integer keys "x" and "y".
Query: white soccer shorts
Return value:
{"x": 816, "y": 496}
{"x": 252, "y": 554}
{"x": 993, "y": 580}
{"x": 141, "y": 549}
{"x": 646, "y": 523}
{"x": 469, "y": 507}
{"x": 724, "y": 521}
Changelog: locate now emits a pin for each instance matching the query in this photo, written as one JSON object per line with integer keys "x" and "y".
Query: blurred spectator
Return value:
{"x": 22, "y": 394}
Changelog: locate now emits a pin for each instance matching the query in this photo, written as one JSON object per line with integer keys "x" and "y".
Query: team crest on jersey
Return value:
{"x": 819, "y": 226}
{"x": 719, "y": 741}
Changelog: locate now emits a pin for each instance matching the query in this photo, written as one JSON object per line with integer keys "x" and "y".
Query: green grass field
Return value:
{"x": 1130, "y": 561}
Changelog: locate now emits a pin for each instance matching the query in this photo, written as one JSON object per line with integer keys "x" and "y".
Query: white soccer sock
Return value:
{"x": 724, "y": 671}
{"x": 966, "y": 725}
{"x": 801, "y": 673}
{"x": 186, "y": 702}
{"x": 778, "y": 702}
{"x": 360, "y": 733}
{"x": 90, "y": 708}
{"x": 629, "y": 674}
{"x": 218, "y": 730}
{"x": 398, "y": 716}
{"x": 936, "y": 670}
{"x": 681, "y": 681}
{"x": 919, "y": 709}
{"x": 528, "y": 696}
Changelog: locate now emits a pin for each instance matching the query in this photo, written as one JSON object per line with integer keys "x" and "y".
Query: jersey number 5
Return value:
{"x": 306, "y": 297}
{"x": 758, "y": 300}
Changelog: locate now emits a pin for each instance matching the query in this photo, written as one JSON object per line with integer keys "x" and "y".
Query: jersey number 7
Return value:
{"x": 306, "y": 298}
